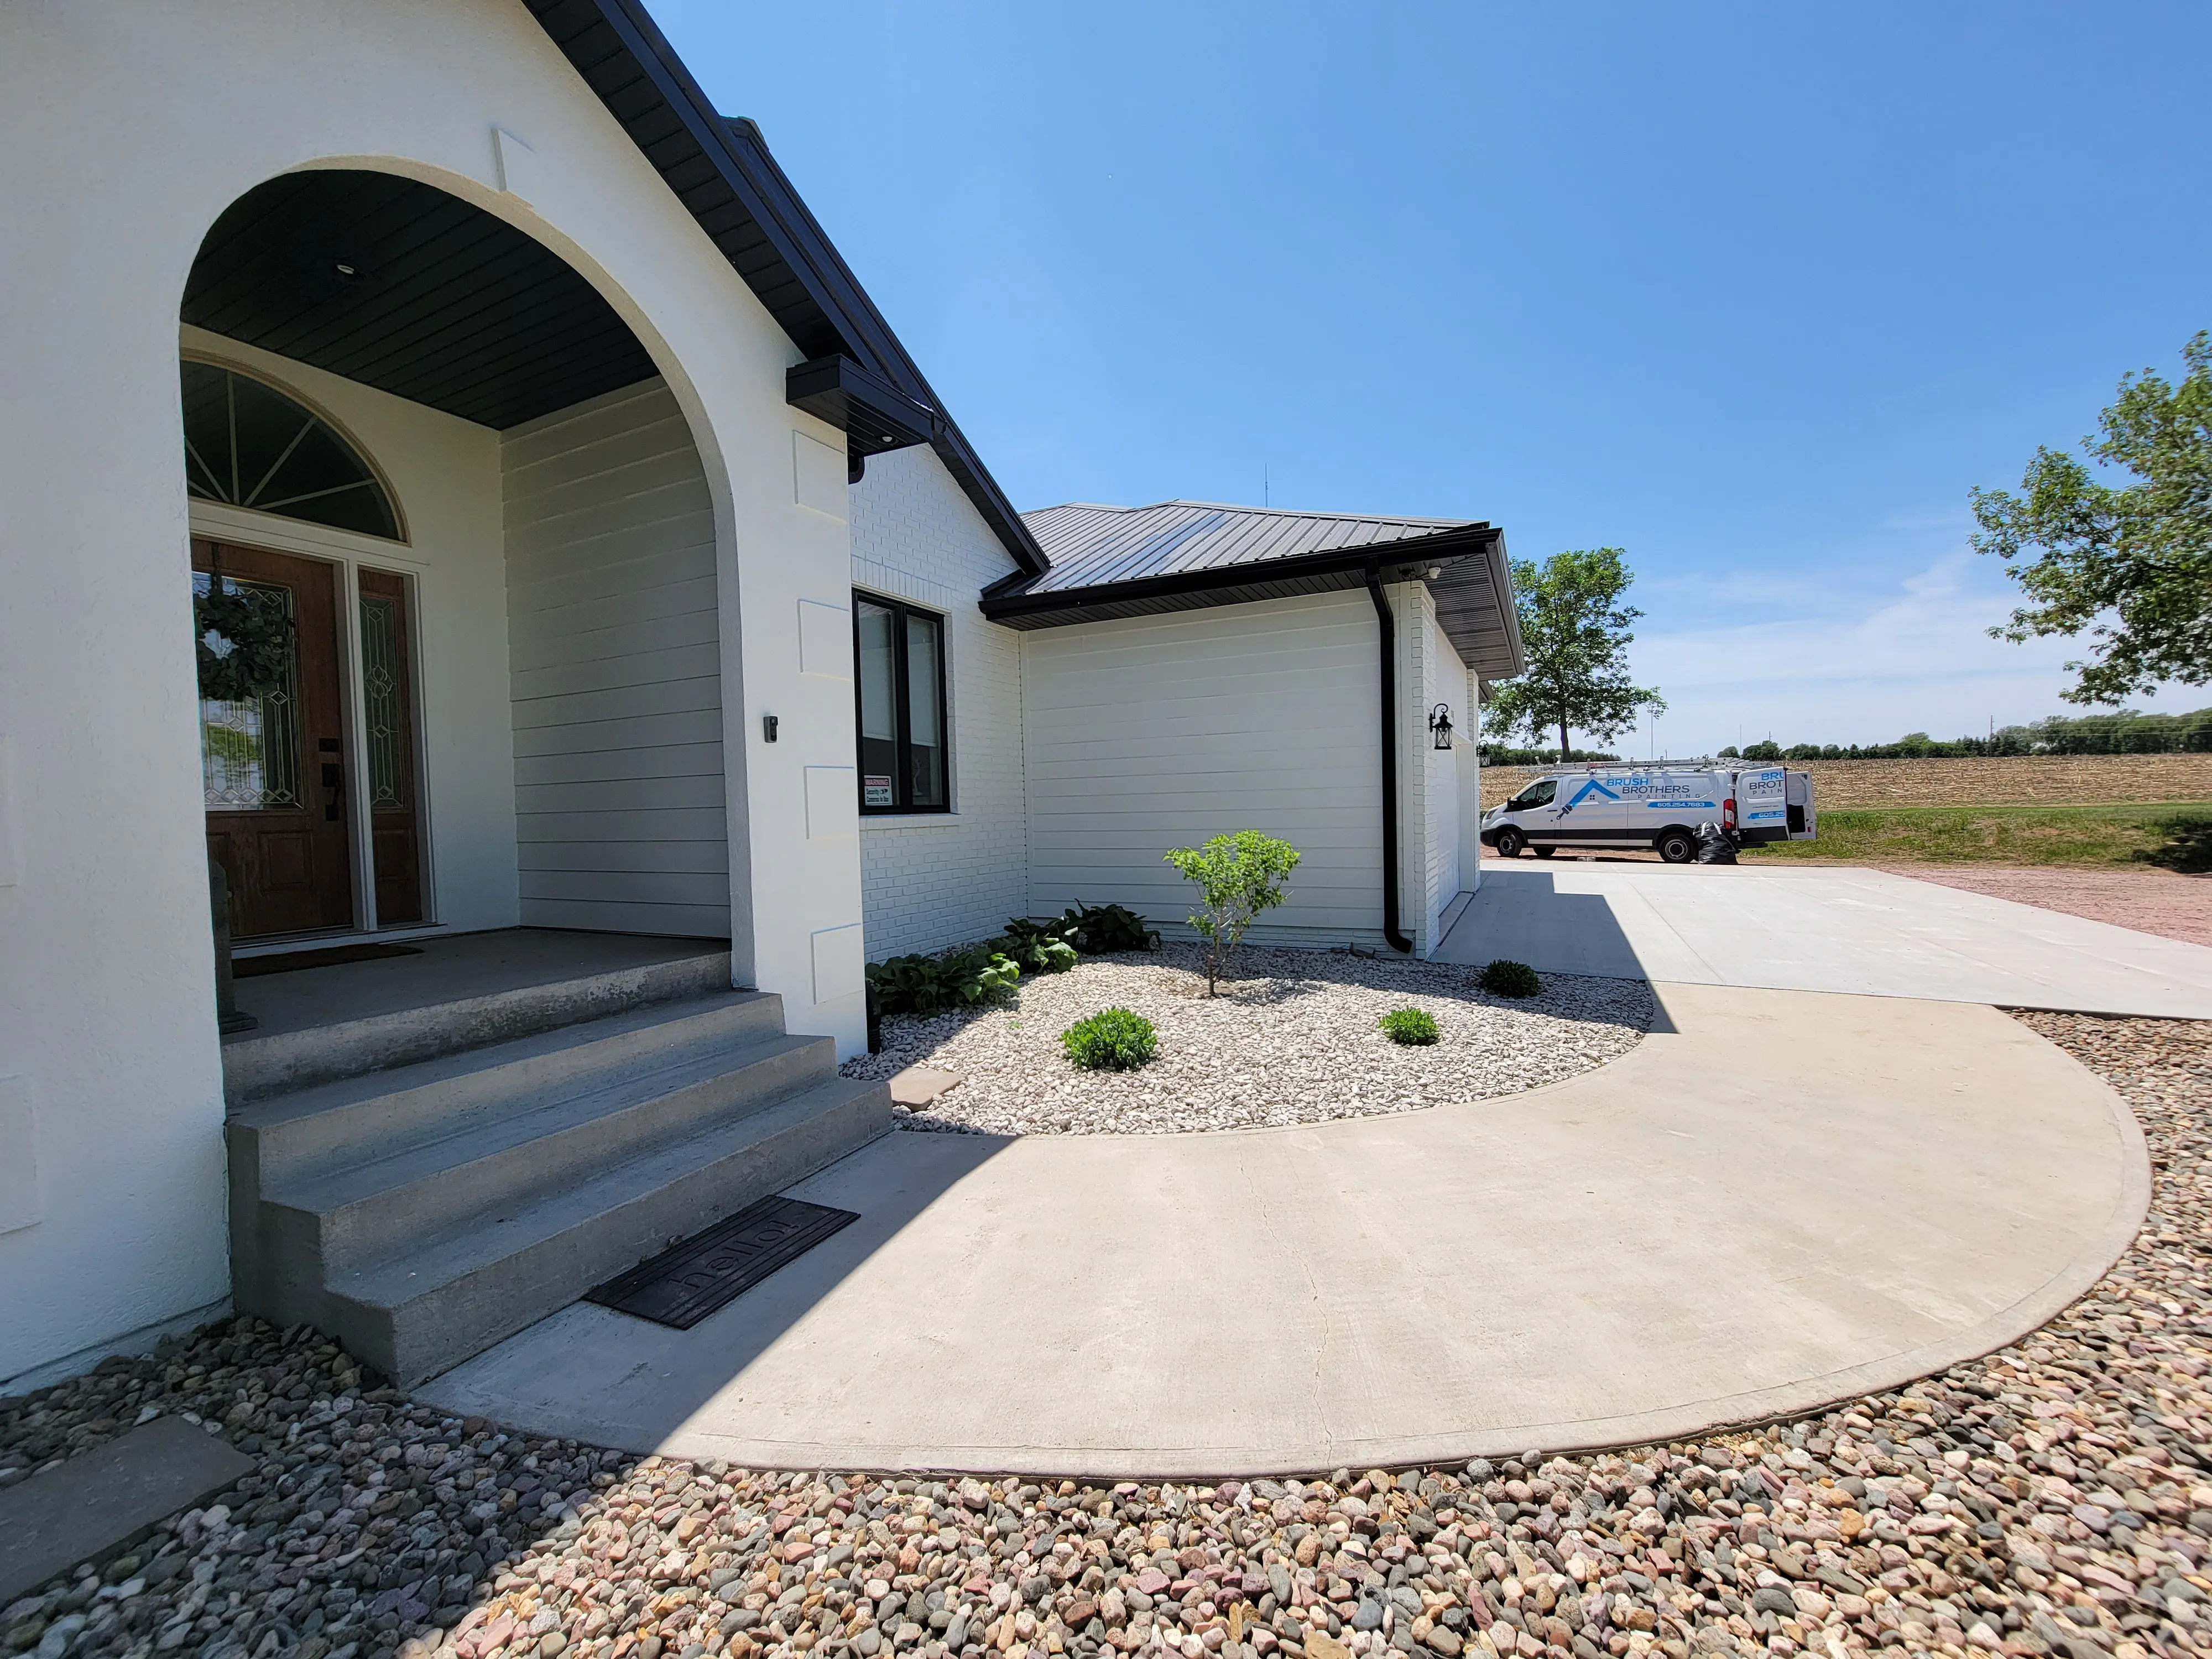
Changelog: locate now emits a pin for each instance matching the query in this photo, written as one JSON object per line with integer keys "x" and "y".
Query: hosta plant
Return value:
{"x": 1097, "y": 929}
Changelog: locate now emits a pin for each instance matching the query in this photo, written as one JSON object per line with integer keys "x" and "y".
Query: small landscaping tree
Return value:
{"x": 1238, "y": 876}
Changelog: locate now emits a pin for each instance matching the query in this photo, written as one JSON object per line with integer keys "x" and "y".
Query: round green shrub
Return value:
{"x": 1509, "y": 979}
{"x": 1112, "y": 1040}
{"x": 1411, "y": 1026}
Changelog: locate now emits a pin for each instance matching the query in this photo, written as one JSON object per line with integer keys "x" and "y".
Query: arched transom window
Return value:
{"x": 248, "y": 444}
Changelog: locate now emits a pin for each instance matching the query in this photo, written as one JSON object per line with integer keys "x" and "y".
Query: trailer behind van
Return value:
{"x": 1657, "y": 807}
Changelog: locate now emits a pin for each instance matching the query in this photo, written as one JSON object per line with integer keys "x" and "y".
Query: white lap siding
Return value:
{"x": 1160, "y": 731}
{"x": 930, "y": 880}
{"x": 620, "y": 803}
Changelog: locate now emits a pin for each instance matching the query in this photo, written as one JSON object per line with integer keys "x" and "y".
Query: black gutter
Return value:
{"x": 1388, "y": 662}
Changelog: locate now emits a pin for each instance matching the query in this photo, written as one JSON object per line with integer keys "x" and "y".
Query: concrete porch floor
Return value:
{"x": 1778, "y": 1200}
{"x": 463, "y": 991}
{"x": 452, "y": 969}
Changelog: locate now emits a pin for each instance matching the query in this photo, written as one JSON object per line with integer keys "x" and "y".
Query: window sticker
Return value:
{"x": 876, "y": 792}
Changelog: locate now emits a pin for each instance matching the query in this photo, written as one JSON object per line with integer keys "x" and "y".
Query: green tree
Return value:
{"x": 1238, "y": 876}
{"x": 2129, "y": 565}
{"x": 1575, "y": 630}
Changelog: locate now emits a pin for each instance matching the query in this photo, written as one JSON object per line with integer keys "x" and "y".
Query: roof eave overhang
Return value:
{"x": 874, "y": 414}
{"x": 722, "y": 173}
{"x": 1479, "y": 622}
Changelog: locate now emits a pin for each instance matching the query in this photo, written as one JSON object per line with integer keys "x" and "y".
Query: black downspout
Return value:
{"x": 1389, "y": 626}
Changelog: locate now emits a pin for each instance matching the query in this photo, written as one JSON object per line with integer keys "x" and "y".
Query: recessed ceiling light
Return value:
{"x": 345, "y": 271}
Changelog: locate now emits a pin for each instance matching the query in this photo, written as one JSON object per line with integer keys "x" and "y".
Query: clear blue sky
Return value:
{"x": 1755, "y": 292}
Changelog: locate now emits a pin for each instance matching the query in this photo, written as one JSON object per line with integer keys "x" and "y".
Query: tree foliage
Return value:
{"x": 1575, "y": 630}
{"x": 1238, "y": 876}
{"x": 2129, "y": 565}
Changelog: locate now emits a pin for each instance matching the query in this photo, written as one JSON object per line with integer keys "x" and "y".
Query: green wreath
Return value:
{"x": 256, "y": 641}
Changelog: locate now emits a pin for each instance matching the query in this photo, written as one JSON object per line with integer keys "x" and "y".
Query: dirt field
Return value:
{"x": 2030, "y": 781}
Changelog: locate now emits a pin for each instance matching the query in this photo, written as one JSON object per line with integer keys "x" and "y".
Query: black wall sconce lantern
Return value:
{"x": 1440, "y": 724}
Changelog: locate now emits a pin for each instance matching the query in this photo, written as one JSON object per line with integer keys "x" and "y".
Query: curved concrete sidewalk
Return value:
{"x": 1785, "y": 1199}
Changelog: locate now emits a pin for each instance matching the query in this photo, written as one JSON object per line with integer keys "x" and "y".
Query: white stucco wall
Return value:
{"x": 129, "y": 130}
{"x": 620, "y": 798}
{"x": 444, "y": 472}
{"x": 931, "y": 879}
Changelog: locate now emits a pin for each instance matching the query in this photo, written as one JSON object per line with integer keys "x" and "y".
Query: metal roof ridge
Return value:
{"x": 1262, "y": 512}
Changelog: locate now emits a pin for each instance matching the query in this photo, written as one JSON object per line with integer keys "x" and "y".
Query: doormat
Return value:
{"x": 689, "y": 1281}
{"x": 331, "y": 956}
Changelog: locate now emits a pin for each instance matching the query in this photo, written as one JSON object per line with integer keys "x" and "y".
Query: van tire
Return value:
{"x": 1510, "y": 842}
{"x": 1676, "y": 846}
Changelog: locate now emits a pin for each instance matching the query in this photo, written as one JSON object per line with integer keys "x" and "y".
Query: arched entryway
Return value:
{"x": 431, "y": 454}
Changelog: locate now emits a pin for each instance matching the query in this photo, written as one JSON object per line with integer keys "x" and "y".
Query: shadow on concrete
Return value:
{"x": 591, "y": 1374}
{"x": 1522, "y": 916}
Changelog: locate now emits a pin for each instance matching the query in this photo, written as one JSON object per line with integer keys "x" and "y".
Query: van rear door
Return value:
{"x": 1761, "y": 809}
{"x": 1804, "y": 824}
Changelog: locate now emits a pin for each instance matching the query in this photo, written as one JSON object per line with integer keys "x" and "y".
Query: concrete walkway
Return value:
{"x": 1780, "y": 1199}
{"x": 1860, "y": 931}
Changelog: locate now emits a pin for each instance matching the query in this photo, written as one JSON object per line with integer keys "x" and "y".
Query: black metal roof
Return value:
{"x": 720, "y": 169}
{"x": 1109, "y": 562}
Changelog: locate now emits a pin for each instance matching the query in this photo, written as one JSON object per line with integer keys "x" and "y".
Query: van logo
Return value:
{"x": 1593, "y": 788}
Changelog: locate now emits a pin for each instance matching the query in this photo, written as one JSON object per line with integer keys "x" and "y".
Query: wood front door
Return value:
{"x": 274, "y": 767}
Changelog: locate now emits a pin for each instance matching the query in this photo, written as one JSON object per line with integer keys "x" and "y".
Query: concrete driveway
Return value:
{"x": 1776, "y": 1200}
{"x": 1860, "y": 931}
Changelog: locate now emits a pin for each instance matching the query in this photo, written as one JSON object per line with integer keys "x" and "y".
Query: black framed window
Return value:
{"x": 898, "y": 655}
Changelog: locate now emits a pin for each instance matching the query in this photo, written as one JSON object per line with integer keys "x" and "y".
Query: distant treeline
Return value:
{"x": 1496, "y": 754}
{"x": 2127, "y": 732}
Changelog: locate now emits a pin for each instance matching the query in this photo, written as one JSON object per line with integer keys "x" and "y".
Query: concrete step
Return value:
{"x": 425, "y": 1192}
{"x": 426, "y": 1308}
{"x": 284, "y": 1142}
{"x": 255, "y": 1067}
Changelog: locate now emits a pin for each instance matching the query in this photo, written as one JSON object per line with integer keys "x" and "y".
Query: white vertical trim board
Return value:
{"x": 840, "y": 962}
{"x": 10, "y": 855}
{"x": 825, "y": 639}
{"x": 21, "y": 1203}
{"x": 615, "y": 645}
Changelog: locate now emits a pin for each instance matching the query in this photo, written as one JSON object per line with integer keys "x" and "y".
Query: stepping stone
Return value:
{"x": 918, "y": 1085}
{"x": 102, "y": 1500}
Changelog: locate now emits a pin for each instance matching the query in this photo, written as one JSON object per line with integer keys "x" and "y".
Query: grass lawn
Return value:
{"x": 2105, "y": 836}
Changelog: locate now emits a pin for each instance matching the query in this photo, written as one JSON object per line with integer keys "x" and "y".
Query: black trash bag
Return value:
{"x": 1716, "y": 845}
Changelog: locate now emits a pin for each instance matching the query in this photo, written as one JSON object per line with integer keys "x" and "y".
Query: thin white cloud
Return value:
{"x": 1916, "y": 656}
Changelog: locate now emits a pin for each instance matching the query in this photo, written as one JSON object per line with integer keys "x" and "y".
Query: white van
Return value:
{"x": 1655, "y": 807}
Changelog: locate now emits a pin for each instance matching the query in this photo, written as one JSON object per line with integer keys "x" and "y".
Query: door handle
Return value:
{"x": 333, "y": 781}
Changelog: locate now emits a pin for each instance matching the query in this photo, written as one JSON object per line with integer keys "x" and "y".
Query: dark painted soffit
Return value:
{"x": 1472, "y": 594}
{"x": 873, "y": 415}
{"x": 723, "y": 173}
{"x": 402, "y": 287}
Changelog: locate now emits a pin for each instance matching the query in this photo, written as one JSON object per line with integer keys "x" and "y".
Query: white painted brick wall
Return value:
{"x": 934, "y": 879}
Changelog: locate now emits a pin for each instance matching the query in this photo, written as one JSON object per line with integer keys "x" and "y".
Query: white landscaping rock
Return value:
{"x": 1293, "y": 1039}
